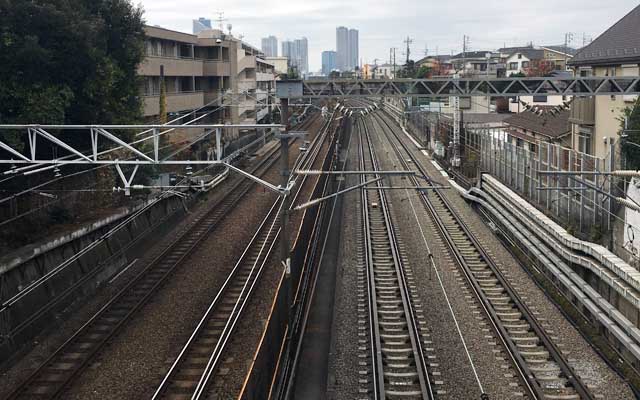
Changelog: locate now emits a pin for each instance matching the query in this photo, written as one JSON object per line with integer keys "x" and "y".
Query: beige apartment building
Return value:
{"x": 596, "y": 120}
{"x": 210, "y": 70}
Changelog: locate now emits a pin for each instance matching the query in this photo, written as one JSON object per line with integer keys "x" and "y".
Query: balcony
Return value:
{"x": 175, "y": 102}
{"x": 172, "y": 66}
{"x": 247, "y": 62}
{"x": 264, "y": 77}
{"x": 583, "y": 111}
{"x": 246, "y": 85}
{"x": 217, "y": 68}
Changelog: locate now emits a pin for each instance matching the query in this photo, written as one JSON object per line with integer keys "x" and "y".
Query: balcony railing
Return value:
{"x": 173, "y": 66}
{"x": 583, "y": 111}
{"x": 175, "y": 102}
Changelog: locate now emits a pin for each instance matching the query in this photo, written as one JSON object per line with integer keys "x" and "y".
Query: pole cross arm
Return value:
{"x": 276, "y": 189}
{"x": 292, "y": 135}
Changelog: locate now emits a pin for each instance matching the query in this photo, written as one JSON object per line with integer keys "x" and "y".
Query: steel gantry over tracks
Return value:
{"x": 444, "y": 87}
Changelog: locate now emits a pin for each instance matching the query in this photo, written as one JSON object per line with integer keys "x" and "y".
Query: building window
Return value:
{"x": 539, "y": 99}
{"x": 584, "y": 72}
{"x": 513, "y": 65}
{"x": 519, "y": 56}
{"x": 585, "y": 141}
{"x": 525, "y": 64}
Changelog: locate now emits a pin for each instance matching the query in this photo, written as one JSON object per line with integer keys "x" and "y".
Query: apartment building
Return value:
{"x": 596, "y": 120}
{"x": 208, "y": 70}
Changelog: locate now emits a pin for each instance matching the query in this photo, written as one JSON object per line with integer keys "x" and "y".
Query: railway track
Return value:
{"x": 545, "y": 373}
{"x": 51, "y": 378}
{"x": 398, "y": 361}
{"x": 194, "y": 368}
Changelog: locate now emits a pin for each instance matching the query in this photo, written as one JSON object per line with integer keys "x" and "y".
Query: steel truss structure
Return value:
{"x": 444, "y": 87}
{"x": 104, "y": 142}
{"x": 104, "y": 133}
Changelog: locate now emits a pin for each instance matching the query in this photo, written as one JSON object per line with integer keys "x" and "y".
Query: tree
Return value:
{"x": 540, "y": 68}
{"x": 70, "y": 62}
{"x": 631, "y": 138}
{"x": 423, "y": 72}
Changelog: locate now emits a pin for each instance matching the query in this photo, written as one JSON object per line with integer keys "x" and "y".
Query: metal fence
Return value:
{"x": 582, "y": 202}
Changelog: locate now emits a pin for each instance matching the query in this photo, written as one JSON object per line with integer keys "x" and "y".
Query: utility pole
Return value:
{"x": 393, "y": 49}
{"x": 408, "y": 42}
{"x": 568, "y": 38}
{"x": 455, "y": 160}
{"x": 465, "y": 45}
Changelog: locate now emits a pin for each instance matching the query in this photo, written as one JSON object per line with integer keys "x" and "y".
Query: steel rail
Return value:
{"x": 389, "y": 382}
{"x": 532, "y": 384}
{"x": 307, "y": 160}
{"x": 65, "y": 363}
{"x": 245, "y": 276}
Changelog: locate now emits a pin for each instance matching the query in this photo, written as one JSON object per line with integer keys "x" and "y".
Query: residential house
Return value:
{"x": 479, "y": 63}
{"x": 533, "y": 60}
{"x": 439, "y": 65}
{"x": 527, "y": 128}
{"x": 616, "y": 52}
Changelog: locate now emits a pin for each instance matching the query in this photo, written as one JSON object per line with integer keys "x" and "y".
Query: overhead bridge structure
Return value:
{"x": 444, "y": 87}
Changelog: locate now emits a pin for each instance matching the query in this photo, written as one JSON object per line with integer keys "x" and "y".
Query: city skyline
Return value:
{"x": 297, "y": 51}
{"x": 328, "y": 61}
{"x": 317, "y": 21}
{"x": 270, "y": 46}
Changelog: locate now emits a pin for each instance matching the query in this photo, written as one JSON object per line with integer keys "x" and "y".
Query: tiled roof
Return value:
{"x": 532, "y": 53}
{"x": 567, "y": 50}
{"x": 472, "y": 54}
{"x": 619, "y": 44}
{"x": 546, "y": 125}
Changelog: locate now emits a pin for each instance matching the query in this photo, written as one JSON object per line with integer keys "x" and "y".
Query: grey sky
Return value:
{"x": 383, "y": 24}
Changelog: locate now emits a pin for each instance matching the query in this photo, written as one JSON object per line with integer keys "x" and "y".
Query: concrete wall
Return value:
{"x": 102, "y": 254}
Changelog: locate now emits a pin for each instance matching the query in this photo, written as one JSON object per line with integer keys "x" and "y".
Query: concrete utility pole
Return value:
{"x": 408, "y": 42}
{"x": 393, "y": 50}
{"x": 284, "y": 165}
{"x": 568, "y": 38}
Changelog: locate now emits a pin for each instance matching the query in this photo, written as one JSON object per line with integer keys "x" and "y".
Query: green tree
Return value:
{"x": 70, "y": 61}
{"x": 423, "y": 72}
{"x": 631, "y": 139}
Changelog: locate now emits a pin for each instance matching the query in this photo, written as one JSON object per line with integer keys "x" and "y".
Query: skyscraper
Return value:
{"x": 347, "y": 48}
{"x": 328, "y": 62}
{"x": 342, "y": 48}
{"x": 298, "y": 54}
{"x": 270, "y": 46}
{"x": 354, "y": 53}
{"x": 200, "y": 25}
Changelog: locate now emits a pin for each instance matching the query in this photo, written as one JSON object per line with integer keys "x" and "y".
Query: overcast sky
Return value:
{"x": 432, "y": 25}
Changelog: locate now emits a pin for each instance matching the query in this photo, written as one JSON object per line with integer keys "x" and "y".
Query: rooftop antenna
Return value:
{"x": 221, "y": 19}
{"x": 229, "y": 27}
